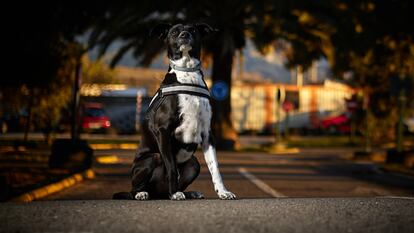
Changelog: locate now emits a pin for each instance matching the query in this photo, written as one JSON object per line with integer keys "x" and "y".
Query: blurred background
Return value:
{"x": 314, "y": 98}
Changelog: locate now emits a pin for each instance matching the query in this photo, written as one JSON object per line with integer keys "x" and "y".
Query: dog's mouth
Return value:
{"x": 184, "y": 41}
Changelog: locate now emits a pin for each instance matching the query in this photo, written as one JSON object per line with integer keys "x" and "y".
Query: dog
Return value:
{"x": 176, "y": 123}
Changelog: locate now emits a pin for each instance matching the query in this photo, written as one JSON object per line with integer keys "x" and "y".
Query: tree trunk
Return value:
{"x": 223, "y": 130}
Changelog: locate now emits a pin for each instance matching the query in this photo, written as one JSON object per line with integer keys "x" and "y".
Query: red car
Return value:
{"x": 94, "y": 118}
{"x": 337, "y": 124}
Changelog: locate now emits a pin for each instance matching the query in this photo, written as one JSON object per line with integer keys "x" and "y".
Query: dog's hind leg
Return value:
{"x": 141, "y": 172}
{"x": 189, "y": 171}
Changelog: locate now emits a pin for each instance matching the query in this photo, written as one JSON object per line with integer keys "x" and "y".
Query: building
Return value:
{"x": 254, "y": 104}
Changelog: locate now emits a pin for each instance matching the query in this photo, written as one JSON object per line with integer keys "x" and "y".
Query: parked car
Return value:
{"x": 337, "y": 124}
{"x": 94, "y": 118}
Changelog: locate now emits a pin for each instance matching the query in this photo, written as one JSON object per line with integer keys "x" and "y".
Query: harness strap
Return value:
{"x": 153, "y": 98}
{"x": 194, "y": 90}
{"x": 174, "y": 89}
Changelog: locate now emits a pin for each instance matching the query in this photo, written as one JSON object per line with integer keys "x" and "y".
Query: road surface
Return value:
{"x": 316, "y": 190}
{"x": 310, "y": 173}
{"x": 247, "y": 215}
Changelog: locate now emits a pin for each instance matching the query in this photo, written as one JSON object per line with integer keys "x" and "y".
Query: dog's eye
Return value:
{"x": 192, "y": 30}
{"x": 174, "y": 32}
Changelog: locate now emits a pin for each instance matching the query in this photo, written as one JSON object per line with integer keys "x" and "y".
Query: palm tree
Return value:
{"x": 229, "y": 18}
{"x": 233, "y": 19}
{"x": 364, "y": 37}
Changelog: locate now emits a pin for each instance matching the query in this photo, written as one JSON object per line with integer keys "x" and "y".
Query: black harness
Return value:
{"x": 174, "y": 89}
{"x": 178, "y": 88}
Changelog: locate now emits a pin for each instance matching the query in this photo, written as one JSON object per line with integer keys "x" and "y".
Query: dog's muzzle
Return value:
{"x": 184, "y": 38}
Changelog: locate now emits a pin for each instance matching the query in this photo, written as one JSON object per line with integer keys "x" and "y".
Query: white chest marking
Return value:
{"x": 195, "y": 111}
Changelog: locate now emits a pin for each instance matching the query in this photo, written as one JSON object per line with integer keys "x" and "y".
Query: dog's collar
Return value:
{"x": 186, "y": 69}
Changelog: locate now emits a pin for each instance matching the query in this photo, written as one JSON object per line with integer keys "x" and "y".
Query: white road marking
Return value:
{"x": 259, "y": 183}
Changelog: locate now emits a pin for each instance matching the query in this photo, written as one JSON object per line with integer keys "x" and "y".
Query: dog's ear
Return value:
{"x": 160, "y": 31}
{"x": 205, "y": 29}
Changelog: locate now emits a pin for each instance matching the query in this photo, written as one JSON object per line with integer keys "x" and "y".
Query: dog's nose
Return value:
{"x": 184, "y": 35}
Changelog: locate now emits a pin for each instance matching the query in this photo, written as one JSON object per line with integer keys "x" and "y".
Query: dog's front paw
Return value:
{"x": 178, "y": 196}
{"x": 142, "y": 196}
{"x": 226, "y": 195}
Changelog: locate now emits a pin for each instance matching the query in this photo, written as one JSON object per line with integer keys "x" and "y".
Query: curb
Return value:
{"x": 398, "y": 170}
{"x": 54, "y": 187}
{"x": 110, "y": 159}
{"x": 283, "y": 150}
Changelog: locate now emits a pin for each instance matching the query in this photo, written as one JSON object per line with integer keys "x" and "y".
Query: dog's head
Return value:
{"x": 182, "y": 37}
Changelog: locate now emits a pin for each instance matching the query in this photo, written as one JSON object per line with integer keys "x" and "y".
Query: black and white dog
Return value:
{"x": 176, "y": 124}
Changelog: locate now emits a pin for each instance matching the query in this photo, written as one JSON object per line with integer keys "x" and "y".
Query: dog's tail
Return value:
{"x": 123, "y": 196}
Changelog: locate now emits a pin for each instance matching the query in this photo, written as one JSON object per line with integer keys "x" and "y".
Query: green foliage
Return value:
{"x": 42, "y": 50}
{"x": 49, "y": 102}
{"x": 376, "y": 44}
{"x": 97, "y": 72}
{"x": 45, "y": 103}
{"x": 372, "y": 40}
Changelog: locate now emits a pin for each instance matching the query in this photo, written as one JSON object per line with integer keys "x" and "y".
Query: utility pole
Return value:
{"x": 280, "y": 98}
{"x": 287, "y": 133}
{"x": 75, "y": 101}
{"x": 278, "y": 145}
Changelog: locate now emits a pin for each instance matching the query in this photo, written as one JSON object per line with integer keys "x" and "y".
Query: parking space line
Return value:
{"x": 259, "y": 183}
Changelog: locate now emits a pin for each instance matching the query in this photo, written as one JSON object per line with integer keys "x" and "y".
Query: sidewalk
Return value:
{"x": 248, "y": 215}
{"x": 25, "y": 174}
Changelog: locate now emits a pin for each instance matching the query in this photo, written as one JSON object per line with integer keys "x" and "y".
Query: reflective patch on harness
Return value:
{"x": 180, "y": 89}
{"x": 193, "y": 89}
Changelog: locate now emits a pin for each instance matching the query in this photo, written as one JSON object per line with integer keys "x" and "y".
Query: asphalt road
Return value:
{"x": 316, "y": 190}
{"x": 310, "y": 173}
{"x": 247, "y": 215}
